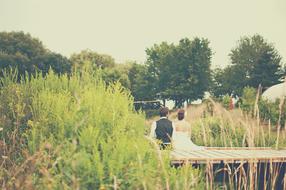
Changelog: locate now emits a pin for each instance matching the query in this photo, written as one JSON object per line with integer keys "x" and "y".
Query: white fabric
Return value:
{"x": 181, "y": 139}
{"x": 182, "y": 125}
{"x": 275, "y": 92}
{"x": 182, "y": 142}
{"x": 152, "y": 131}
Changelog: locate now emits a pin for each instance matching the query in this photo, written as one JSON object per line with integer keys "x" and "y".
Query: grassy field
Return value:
{"x": 76, "y": 132}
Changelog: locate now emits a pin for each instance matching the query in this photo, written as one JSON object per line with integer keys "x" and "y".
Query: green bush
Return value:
{"x": 269, "y": 111}
{"x": 226, "y": 101}
{"x": 248, "y": 99}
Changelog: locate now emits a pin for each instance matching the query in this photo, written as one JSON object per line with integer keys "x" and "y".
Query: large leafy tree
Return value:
{"x": 159, "y": 62}
{"x": 254, "y": 61}
{"x": 12, "y": 43}
{"x": 180, "y": 72}
{"x": 194, "y": 59}
{"x": 226, "y": 81}
{"x": 28, "y": 54}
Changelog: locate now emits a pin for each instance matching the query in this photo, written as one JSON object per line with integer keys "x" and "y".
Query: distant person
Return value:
{"x": 231, "y": 104}
{"x": 162, "y": 129}
{"x": 182, "y": 134}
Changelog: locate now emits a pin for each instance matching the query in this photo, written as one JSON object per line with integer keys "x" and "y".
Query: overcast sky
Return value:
{"x": 125, "y": 28}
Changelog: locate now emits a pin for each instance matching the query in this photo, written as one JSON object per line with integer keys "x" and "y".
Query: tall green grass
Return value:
{"x": 76, "y": 132}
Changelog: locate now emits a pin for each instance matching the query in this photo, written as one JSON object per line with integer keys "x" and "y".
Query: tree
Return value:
{"x": 180, "y": 72}
{"x": 159, "y": 60}
{"x": 195, "y": 75}
{"x": 12, "y": 43}
{"x": 57, "y": 62}
{"x": 27, "y": 54}
{"x": 140, "y": 82}
{"x": 254, "y": 61}
{"x": 118, "y": 73}
{"x": 226, "y": 81}
{"x": 95, "y": 60}
{"x": 110, "y": 71}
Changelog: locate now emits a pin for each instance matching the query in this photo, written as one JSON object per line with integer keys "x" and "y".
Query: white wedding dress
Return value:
{"x": 182, "y": 140}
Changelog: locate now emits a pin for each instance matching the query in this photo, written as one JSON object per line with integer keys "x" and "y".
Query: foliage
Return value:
{"x": 118, "y": 73}
{"x": 57, "y": 62}
{"x": 226, "y": 101}
{"x": 254, "y": 61}
{"x": 269, "y": 112}
{"x": 88, "y": 57}
{"x": 12, "y": 43}
{"x": 213, "y": 131}
{"x": 180, "y": 72}
{"x": 248, "y": 99}
{"x": 141, "y": 82}
{"x": 79, "y": 134}
{"x": 224, "y": 81}
{"x": 233, "y": 129}
{"x": 28, "y": 55}
{"x": 110, "y": 71}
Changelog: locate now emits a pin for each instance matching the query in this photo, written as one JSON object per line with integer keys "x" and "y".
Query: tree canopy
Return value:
{"x": 140, "y": 82}
{"x": 254, "y": 61}
{"x": 94, "y": 59}
{"x": 28, "y": 54}
{"x": 180, "y": 72}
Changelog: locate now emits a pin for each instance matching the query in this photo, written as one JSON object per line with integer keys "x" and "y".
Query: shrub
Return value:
{"x": 226, "y": 101}
{"x": 269, "y": 111}
{"x": 248, "y": 99}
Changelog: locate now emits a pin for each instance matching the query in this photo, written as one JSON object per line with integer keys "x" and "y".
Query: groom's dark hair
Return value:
{"x": 164, "y": 111}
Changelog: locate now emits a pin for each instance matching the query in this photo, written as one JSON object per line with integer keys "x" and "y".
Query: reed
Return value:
{"x": 235, "y": 128}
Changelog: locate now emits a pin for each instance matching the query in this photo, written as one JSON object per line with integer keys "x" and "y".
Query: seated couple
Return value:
{"x": 175, "y": 134}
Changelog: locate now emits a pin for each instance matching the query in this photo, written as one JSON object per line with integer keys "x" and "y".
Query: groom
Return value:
{"x": 162, "y": 129}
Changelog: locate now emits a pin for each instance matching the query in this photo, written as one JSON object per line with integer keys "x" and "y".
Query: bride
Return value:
{"x": 182, "y": 134}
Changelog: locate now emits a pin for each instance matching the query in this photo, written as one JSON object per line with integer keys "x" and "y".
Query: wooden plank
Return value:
{"x": 238, "y": 148}
{"x": 239, "y": 154}
{"x": 190, "y": 154}
{"x": 207, "y": 154}
{"x": 215, "y": 154}
{"x": 232, "y": 155}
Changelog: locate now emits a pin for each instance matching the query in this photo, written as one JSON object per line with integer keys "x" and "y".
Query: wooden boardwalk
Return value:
{"x": 229, "y": 155}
